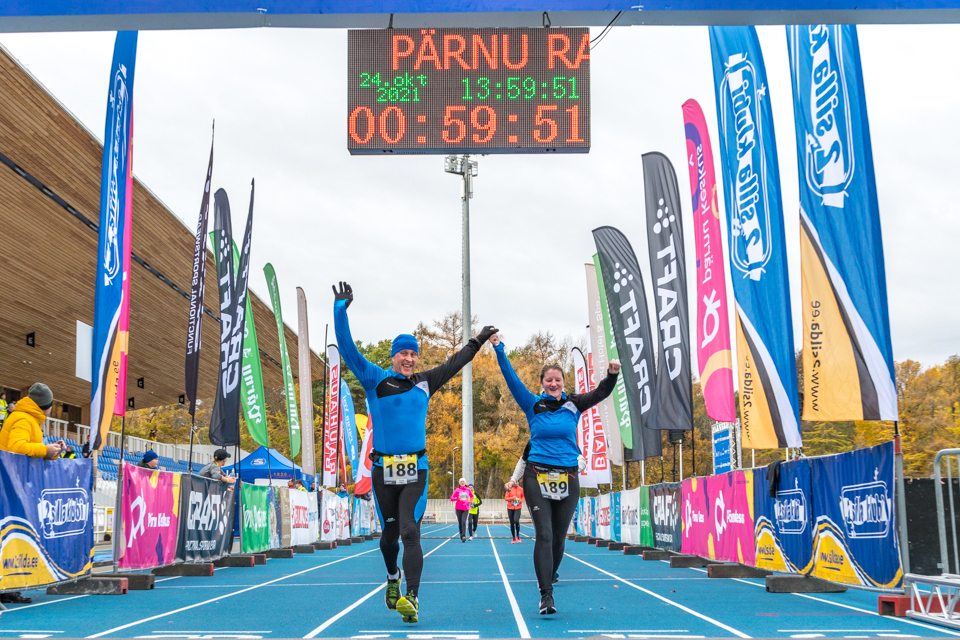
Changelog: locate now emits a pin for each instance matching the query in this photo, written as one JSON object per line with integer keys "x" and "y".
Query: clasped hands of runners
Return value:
{"x": 613, "y": 367}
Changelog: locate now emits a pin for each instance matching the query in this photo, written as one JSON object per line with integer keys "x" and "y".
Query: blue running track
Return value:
{"x": 484, "y": 588}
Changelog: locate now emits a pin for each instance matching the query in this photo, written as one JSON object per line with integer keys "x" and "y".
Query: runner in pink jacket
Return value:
{"x": 463, "y": 497}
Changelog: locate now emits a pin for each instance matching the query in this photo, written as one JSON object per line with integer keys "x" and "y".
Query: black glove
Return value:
{"x": 345, "y": 293}
{"x": 486, "y": 332}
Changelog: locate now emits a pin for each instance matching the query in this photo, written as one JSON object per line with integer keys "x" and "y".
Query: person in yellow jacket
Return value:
{"x": 21, "y": 431}
{"x": 3, "y": 407}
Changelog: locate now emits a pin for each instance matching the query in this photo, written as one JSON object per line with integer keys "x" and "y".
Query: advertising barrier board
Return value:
{"x": 151, "y": 518}
{"x": 206, "y": 525}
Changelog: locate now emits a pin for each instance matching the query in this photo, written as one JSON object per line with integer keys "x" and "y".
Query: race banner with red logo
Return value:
{"x": 303, "y": 528}
{"x": 335, "y": 519}
{"x": 151, "y": 518}
{"x": 598, "y": 462}
{"x": 602, "y": 516}
{"x": 331, "y": 433}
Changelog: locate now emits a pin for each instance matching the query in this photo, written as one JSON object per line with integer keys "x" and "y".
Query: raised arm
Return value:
{"x": 439, "y": 376}
{"x": 367, "y": 373}
{"x": 523, "y": 397}
{"x": 584, "y": 401}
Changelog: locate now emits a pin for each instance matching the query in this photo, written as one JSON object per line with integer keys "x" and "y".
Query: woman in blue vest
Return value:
{"x": 551, "y": 485}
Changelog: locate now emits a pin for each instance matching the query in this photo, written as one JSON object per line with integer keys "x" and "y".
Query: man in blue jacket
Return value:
{"x": 398, "y": 400}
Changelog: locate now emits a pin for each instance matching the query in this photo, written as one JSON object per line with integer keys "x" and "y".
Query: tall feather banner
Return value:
{"x": 769, "y": 411}
{"x": 847, "y": 352}
{"x": 111, "y": 315}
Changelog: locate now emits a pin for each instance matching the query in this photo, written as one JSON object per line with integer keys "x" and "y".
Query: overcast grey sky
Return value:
{"x": 391, "y": 226}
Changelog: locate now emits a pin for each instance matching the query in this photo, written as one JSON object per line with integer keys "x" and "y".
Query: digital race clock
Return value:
{"x": 468, "y": 91}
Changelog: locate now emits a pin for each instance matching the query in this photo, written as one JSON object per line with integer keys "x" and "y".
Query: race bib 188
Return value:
{"x": 400, "y": 469}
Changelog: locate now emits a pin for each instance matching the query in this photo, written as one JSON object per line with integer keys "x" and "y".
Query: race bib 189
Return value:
{"x": 553, "y": 486}
{"x": 400, "y": 469}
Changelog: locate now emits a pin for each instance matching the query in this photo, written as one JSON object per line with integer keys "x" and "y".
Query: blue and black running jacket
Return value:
{"x": 398, "y": 404}
{"x": 553, "y": 423}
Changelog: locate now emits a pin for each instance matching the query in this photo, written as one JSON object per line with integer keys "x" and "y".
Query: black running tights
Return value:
{"x": 462, "y": 521}
{"x": 514, "y": 515}
{"x": 551, "y": 519}
{"x": 397, "y": 504}
{"x": 474, "y": 522}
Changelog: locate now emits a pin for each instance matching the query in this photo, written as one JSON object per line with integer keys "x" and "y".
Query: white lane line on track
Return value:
{"x": 663, "y": 599}
{"x": 521, "y": 624}
{"x": 227, "y": 595}
{"x": 852, "y": 608}
{"x": 330, "y": 621}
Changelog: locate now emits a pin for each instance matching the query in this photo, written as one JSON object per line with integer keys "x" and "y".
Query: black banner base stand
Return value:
{"x": 636, "y": 550}
{"x": 93, "y": 586}
{"x": 278, "y": 553}
{"x": 657, "y": 555}
{"x": 139, "y": 581}
{"x": 199, "y": 569}
{"x": 324, "y": 546}
{"x": 735, "y": 571}
{"x": 236, "y": 561}
{"x": 688, "y": 562}
{"x": 304, "y": 548}
{"x": 801, "y": 584}
{"x": 616, "y": 546}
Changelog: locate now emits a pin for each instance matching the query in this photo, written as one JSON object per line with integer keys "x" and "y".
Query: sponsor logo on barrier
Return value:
{"x": 750, "y": 245}
{"x": 138, "y": 508}
{"x": 63, "y": 512}
{"x": 665, "y": 514}
{"x": 603, "y": 517}
{"x": 21, "y": 561}
{"x": 205, "y": 513}
{"x": 299, "y": 517}
{"x": 690, "y": 517}
{"x": 254, "y": 518}
{"x": 790, "y": 510}
{"x": 829, "y": 140}
{"x": 866, "y": 509}
{"x": 722, "y": 517}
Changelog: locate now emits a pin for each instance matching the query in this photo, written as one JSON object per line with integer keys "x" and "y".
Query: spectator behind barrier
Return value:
{"x": 213, "y": 471}
{"x": 21, "y": 431}
{"x": 150, "y": 460}
{"x": 3, "y": 407}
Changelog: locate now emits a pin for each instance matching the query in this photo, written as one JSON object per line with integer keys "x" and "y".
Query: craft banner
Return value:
{"x": 225, "y": 418}
{"x": 784, "y": 524}
{"x": 308, "y": 458}
{"x": 597, "y": 355}
{"x": 349, "y": 425}
{"x": 668, "y": 269}
{"x": 256, "y": 517}
{"x": 293, "y": 417}
{"x": 604, "y": 519}
{"x": 646, "y": 519}
{"x": 665, "y": 506}
{"x": 619, "y": 396}
{"x": 630, "y": 319}
{"x": 730, "y": 517}
{"x": 630, "y": 516}
{"x": 713, "y": 326}
{"x": 206, "y": 528}
{"x": 697, "y": 526}
{"x": 847, "y": 354}
{"x": 856, "y": 540}
{"x": 151, "y": 518}
{"x": 46, "y": 520}
{"x": 598, "y": 462}
{"x": 111, "y": 307}
{"x": 615, "y": 525}
{"x": 300, "y": 529}
{"x": 769, "y": 411}
{"x": 195, "y": 323}
{"x": 331, "y": 432}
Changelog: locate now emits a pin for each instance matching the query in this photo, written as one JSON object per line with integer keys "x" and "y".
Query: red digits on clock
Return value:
{"x": 353, "y": 125}
{"x": 490, "y": 126}
{"x": 449, "y": 120}
{"x": 538, "y": 134}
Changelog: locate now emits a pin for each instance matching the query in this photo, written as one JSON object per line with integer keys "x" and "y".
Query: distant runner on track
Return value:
{"x": 551, "y": 484}
{"x": 398, "y": 400}
{"x": 514, "y": 498}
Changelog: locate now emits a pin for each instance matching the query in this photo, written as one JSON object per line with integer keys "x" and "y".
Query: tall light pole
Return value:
{"x": 466, "y": 168}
